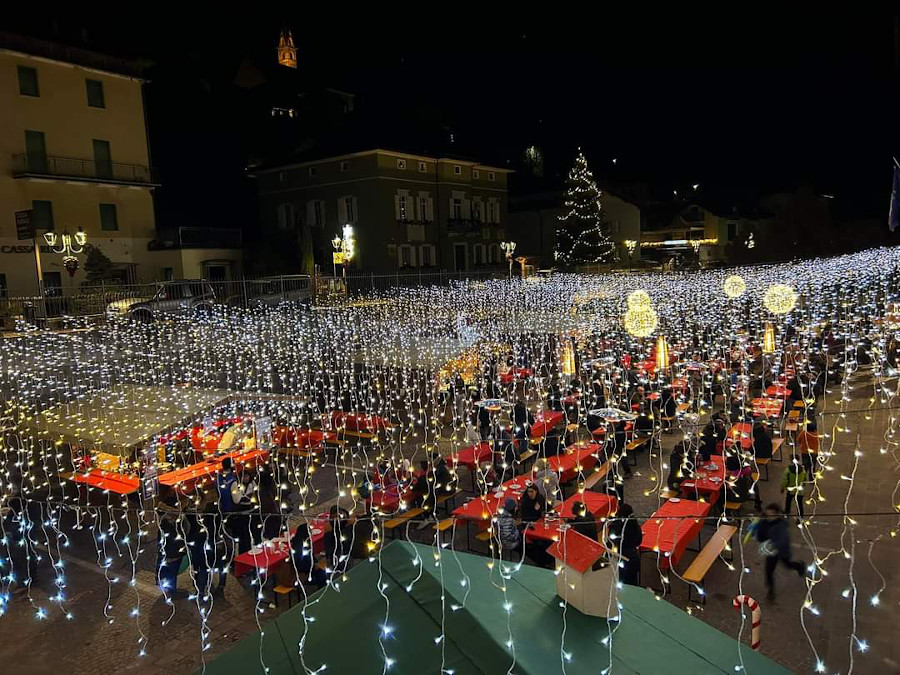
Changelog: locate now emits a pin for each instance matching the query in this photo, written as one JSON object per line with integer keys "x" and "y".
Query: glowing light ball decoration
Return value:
{"x": 641, "y": 321}
{"x": 734, "y": 286}
{"x": 780, "y": 299}
{"x": 638, "y": 300}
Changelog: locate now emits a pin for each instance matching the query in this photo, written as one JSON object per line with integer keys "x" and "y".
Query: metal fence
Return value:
{"x": 99, "y": 301}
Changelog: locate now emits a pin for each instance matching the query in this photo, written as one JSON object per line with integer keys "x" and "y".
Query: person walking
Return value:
{"x": 775, "y": 544}
{"x": 792, "y": 486}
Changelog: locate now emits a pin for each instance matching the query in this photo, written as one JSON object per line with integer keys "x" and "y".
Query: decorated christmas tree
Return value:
{"x": 581, "y": 237}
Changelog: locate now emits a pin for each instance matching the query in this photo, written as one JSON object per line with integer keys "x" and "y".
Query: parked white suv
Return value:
{"x": 184, "y": 297}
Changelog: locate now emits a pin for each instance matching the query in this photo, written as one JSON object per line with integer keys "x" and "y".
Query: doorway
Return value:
{"x": 460, "y": 257}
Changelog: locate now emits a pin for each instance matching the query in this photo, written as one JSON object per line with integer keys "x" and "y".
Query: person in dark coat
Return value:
{"x": 625, "y": 536}
{"x": 309, "y": 566}
{"x": 774, "y": 536}
{"x": 532, "y": 506}
{"x": 522, "y": 419}
{"x": 583, "y": 522}
{"x": 762, "y": 442}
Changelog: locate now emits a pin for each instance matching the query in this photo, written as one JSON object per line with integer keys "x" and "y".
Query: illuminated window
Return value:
{"x": 401, "y": 164}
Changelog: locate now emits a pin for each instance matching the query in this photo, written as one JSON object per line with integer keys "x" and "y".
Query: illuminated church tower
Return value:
{"x": 287, "y": 52}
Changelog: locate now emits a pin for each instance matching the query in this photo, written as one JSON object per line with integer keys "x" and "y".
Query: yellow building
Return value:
{"x": 74, "y": 152}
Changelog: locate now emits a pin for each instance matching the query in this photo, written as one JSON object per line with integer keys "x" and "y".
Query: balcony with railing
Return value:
{"x": 88, "y": 170}
{"x": 464, "y": 226}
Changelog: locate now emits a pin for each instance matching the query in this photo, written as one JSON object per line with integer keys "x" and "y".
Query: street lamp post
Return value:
{"x": 508, "y": 248}
{"x": 630, "y": 244}
{"x": 63, "y": 245}
{"x": 344, "y": 249}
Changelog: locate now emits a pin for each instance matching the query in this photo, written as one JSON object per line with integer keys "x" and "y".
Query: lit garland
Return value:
{"x": 384, "y": 356}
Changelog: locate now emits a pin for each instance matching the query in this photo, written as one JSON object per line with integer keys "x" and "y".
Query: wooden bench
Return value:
{"x": 666, "y": 424}
{"x": 484, "y": 536}
{"x": 683, "y": 407}
{"x": 707, "y": 556}
{"x": 764, "y": 462}
{"x": 447, "y": 497}
{"x": 288, "y": 591}
{"x": 444, "y": 525}
{"x": 634, "y": 444}
{"x": 596, "y": 476}
{"x": 402, "y": 519}
{"x": 526, "y": 457}
{"x": 777, "y": 444}
{"x": 733, "y": 506}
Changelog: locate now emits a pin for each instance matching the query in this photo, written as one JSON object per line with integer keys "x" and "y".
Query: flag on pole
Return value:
{"x": 894, "y": 215}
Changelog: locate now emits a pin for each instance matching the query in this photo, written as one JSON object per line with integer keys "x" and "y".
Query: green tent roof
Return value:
{"x": 464, "y": 595}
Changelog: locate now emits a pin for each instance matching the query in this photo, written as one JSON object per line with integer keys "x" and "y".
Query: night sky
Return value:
{"x": 742, "y": 104}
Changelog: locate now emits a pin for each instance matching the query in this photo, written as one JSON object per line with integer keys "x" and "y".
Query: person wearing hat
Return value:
{"x": 508, "y": 532}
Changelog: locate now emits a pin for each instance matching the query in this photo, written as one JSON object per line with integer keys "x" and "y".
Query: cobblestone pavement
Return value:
{"x": 102, "y": 637}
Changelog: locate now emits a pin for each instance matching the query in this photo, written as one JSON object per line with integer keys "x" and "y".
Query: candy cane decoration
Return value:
{"x": 755, "y": 613}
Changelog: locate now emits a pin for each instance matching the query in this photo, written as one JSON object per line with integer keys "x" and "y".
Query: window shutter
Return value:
{"x": 310, "y": 214}
{"x": 412, "y": 256}
{"x": 397, "y": 206}
{"x": 355, "y": 210}
{"x": 342, "y": 211}
{"x": 466, "y": 209}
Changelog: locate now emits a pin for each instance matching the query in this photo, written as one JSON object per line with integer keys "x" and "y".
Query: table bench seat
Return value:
{"x": 699, "y": 567}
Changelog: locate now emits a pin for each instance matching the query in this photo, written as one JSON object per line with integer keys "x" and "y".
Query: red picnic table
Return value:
{"x": 201, "y": 440}
{"x": 271, "y": 553}
{"x": 359, "y": 422}
{"x": 515, "y": 374}
{"x": 672, "y": 527}
{"x": 767, "y": 407}
{"x": 598, "y": 505}
{"x": 544, "y": 421}
{"x": 119, "y": 483}
{"x": 471, "y": 456}
{"x": 778, "y": 391}
{"x": 742, "y": 431}
{"x": 707, "y": 482}
{"x": 580, "y": 456}
{"x": 484, "y": 507}
{"x": 301, "y": 437}
{"x": 189, "y": 476}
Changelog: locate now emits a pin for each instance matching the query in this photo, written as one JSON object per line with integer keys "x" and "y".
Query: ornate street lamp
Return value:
{"x": 344, "y": 249}
{"x": 508, "y": 248}
{"x": 630, "y": 244}
{"x": 63, "y": 245}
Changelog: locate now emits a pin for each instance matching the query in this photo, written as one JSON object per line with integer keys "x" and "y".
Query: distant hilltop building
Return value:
{"x": 287, "y": 51}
